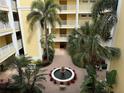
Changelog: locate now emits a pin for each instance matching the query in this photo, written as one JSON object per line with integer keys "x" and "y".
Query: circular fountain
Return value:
{"x": 63, "y": 75}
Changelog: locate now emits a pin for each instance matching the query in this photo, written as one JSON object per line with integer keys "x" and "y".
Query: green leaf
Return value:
{"x": 91, "y": 70}
{"x": 111, "y": 77}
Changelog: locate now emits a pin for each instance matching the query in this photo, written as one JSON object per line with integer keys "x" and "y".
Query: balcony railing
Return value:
{"x": 68, "y": 8}
{"x": 61, "y": 37}
{"x": 17, "y": 27}
{"x": 14, "y": 6}
{"x": 85, "y": 7}
{"x": 3, "y": 3}
{"x": 8, "y": 50}
{"x": 68, "y": 22}
{"x": 4, "y": 27}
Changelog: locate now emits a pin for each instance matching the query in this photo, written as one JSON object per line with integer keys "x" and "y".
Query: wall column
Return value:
{"x": 77, "y": 11}
{"x": 11, "y": 21}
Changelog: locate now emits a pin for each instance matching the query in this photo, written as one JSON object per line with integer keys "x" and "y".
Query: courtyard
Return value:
{"x": 61, "y": 59}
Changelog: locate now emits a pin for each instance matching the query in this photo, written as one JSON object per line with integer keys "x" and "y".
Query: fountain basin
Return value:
{"x": 56, "y": 75}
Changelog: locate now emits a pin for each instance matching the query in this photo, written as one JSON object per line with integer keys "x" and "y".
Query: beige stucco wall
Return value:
{"x": 31, "y": 39}
{"x": 119, "y": 42}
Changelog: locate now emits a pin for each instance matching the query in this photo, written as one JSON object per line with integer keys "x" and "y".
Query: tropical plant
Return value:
{"x": 3, "y": 17}
{"x": 44, "y": 11}
{"x": 30, "y": 81}
{"x": 20, "y": 62}
{"x": 88, "y": 48}
{"x": 51, "y": 50}
{"x": 105, "y": 17}
{"x": 92, "y": 85}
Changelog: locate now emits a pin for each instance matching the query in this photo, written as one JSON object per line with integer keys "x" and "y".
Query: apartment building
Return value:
{"x": 10, "y": 33}
{"x": 74, "y": 13}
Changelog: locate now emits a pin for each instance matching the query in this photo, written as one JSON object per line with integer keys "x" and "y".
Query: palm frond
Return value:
{"x": 33, "y": 17}
{"x": 38, "y": 4}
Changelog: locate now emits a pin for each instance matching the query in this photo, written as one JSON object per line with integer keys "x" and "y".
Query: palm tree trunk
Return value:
{"x": 33, "y": 83}
{"x": 46, "y": 38}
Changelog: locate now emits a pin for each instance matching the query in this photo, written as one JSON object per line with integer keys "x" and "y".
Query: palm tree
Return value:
{"x": 105, "y": 17}
{"x": 85, "y": 45}
{"x": 29, "y": 81}
{"x": 44, "y": 11}
{"x": 20, "y": 62}
{"x": 92, "y": 85}
{"x": 89, "y": 48}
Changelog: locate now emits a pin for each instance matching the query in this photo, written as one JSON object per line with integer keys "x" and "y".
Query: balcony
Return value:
{"x": 61, "y": 37}
{"x": 83, "y": 21}
{"x": 8, "y": 50}
{"x": 5, "y": 29}
{"x": 17, "y": 27}
{"x": 65, "y": 9}
{"x": 3, "y": 5}
{"x": 67, "y": 24}
{"x": 85, "y": 7}
{"x": 14, "y": 6}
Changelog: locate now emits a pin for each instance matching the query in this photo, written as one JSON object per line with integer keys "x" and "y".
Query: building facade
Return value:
{"x": 10, "y": 33}
{"x": 16, "y": 34}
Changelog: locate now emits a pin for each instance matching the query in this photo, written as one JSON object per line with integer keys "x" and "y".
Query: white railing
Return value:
{"x": 3, "y": 3}
{"x": 68, "y": 22}
{"x": 85, "y": 7}
{"x": 60, "y": 35}
{"x": 17, "y": 25}
{"x": 14, "y": 7}
{"x": 4, "y": 27}
{"x": 63, "y": 35}
{"x": 9, "y": 50}
{"x": 68, "y": 7}
{"x": 6, "y": 51}
{"x": 19, "y": 44}
{"x": 63, "y": 7}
